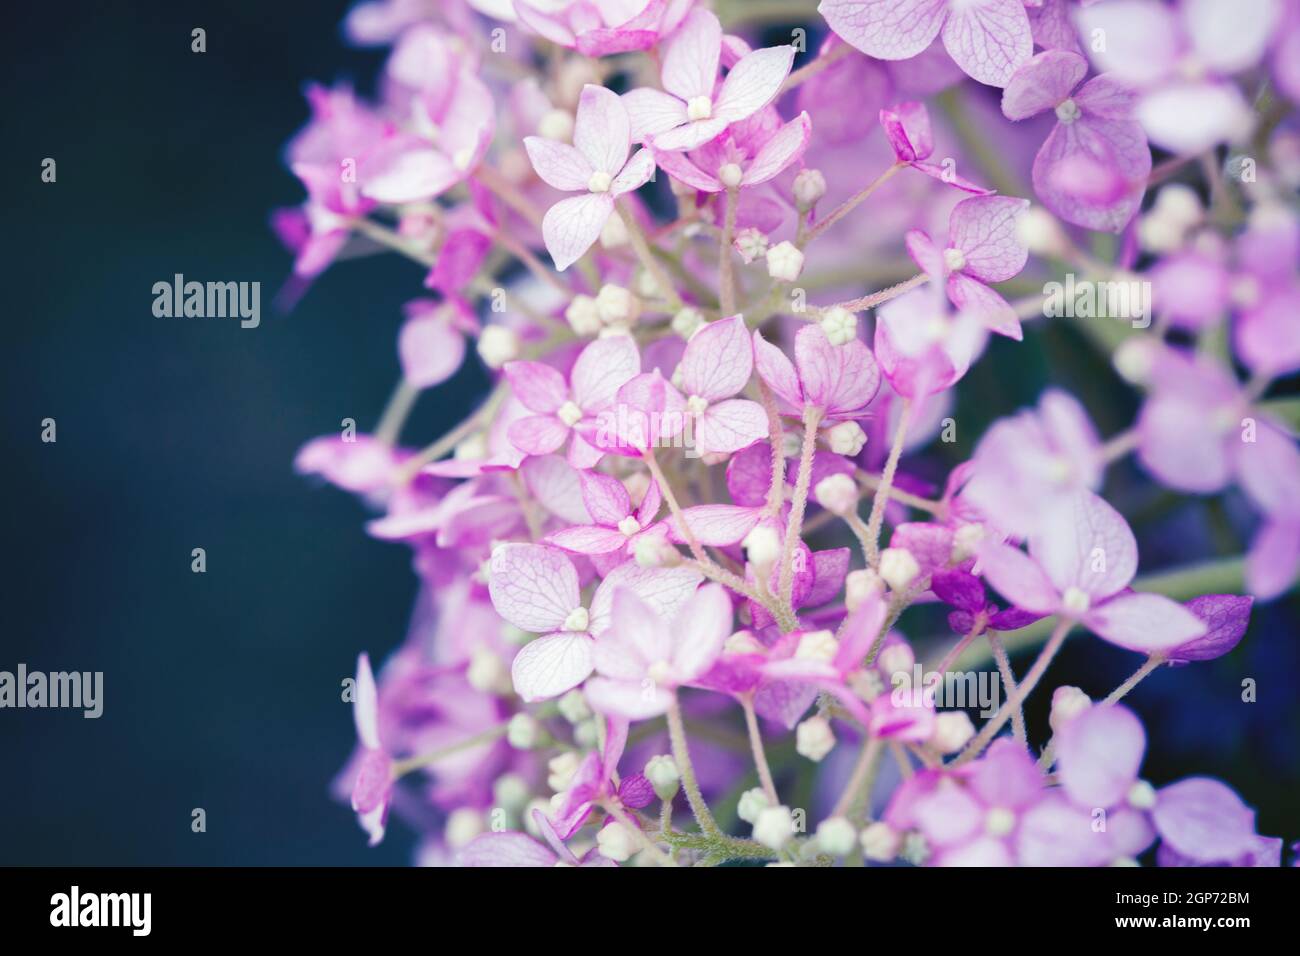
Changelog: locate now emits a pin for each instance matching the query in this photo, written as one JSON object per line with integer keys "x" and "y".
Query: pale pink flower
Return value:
{"x": 602, "y": 27}
{"x": 691, "y": 112}
{"x": 725, "y": 156}
{"x": 596, "y": 164}
{"x": 907, "y": 128}
{"x": 616, "y": 525}
{"x": 716, "y": 365}
{"x": 840, "y": 380}
{"x": 372, "y": 791}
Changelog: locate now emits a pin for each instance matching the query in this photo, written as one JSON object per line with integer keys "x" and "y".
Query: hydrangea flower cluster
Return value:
{"x": 679, "y": 569}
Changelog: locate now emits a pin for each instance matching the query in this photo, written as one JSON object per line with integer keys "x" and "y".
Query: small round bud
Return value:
{"x": 556, "y": 125}
{"x": 965, "y": 541}
{"x": 1134, "y": 359}
{"x": 573, "y": 707}
{"x": 809, "y": 186}
{"x": 817, "y": 646}
{"x": 583, "y": 316}
{"x": 752, "y": 803}
{"x": 1067, "y": 703}
{"x": 655, "y": 551}
{"x": 860, "y": 586}
{"x": 1142, "y": 796}
{"x": 473, "y": 448}
{"x": 814, "y": 738}
{"x": 662, "y": 773}
{"x": 586, "y": 733}
{"x": 511, "y": 791}
{"x": 880, "y": 842}
{"x": 898, "y": 568}
{"x": 751, "y": 244}
{"x": 838, "y": 494}
{"x": 463, "y": 825}
{"x": 774, "y": 827}
{"x": 730, "y": 175}
{"x": 784, "y": 261}
{"x": 599, "y": 181}
{"x": 617, "y": 305}
{"x": 846, "y": 438}
{"x": 999, "y": 822}
{"x": 614, "y": 233}
{"x": 561, "y": 770}
{"x": 1040, "y": 232}
{"x": 896, "y": 657}
{"x": 487, "y": 672}
{"x": 699, "y": 108}
{"x": 952, "y": 731}
{"x": 1179, "y": 205}
{"x": 497, "y": 345}
{"x": 762, "y": 547}
{"x": 688, "y": 321}
{"x": 615, "y": 842}
{"x": 836, "y": 836}
{"x": 1075, "y": 601}
{"x": 523, "y": 731}
{"x": 578, "y": 620}
{"x": 839, "y": 324}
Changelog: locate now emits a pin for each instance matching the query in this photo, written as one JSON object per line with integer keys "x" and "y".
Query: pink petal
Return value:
{"x": 551, "y": 665}
{"x": 683, "y": 170}
{"x": 907, "y": 127}
{"x": 731, "y": 425}
{"x": 984, "y": 229}
{"x": 539, "y": 386}
{"x": 505, "y": 849}
{"x": 543, "y": 23}
{"x": 1143, "y": 40}
{"x": 699, "y": 631}
{"x": 1273, "y": 559}
{"x": 1085, "y": 543}
{"x": 688, "y": 136}
{"x": 408, "y": 170}
{"x": 753, "y": 82}
{"x": 1204, "y": 819}
{"x": 533, "y": 587}
{"x": 588, "y": 539}
{"x": 785, "y": 147}
{"x": 690, "y": 64}
{"x": 602, "y": 131}
{"x": 538, "y": 435}
{"x": 606, "y": 498}
{"x": 632, "y": 700}
{"x": 637, "y": 625}
{"x": 1042, "y": 84}
{"x": 571, "y": 226}
{"x": 635, "y": 174}
{"x": 994, "y": 311}
{"x": 989, "y": 40}
{"x": 855, "y": 79}
{"x": 1268, "y": 468}
{"x": 558, "y": 164}
{"x": 1176, "y": 446}
{"x": 1093, "y": 172}
{"x": 365, "y": 706}
{"x": 652, "y": 112}
{"x": 718, "y": 360}
{"x": 775, "y": 368}
{"x": 430, "y": 349}
{"x": 1098, "y": 755}
{"x": 603, "y": 367}
{"x": 1144, "y": 622}
{"x": 716, "y": 525}
{"x": 1229, "y": 38}
{"x": 1226, "y": 618}
{"x": 1189, "y": 118}
{"x": 554, "y": 483}
{"x": 924, "y": 252}
{"x": 839, "y": 378}
{"x": 887, "y": 29}
{"x": 1018, "y": 578}
{"x": 663, "y": 589}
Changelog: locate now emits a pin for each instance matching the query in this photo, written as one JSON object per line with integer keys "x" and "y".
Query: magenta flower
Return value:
{"x": 691, "y": 112}
{"x": 743, "y": 163}
{"x": 1094, "y": 122}
{"x": 922, "y": 347}
{"x": 907, "y": 128}
{"x": 716, "y": 365}
{"x": 645, "y": 657}
{"x": 372, "y": 792}
{"x": 982, "y": 248}
{"x": 603, "y": 27}
{"x": 602, "y": 368}
{"x": 596, "y": 164}
{"x": 1226, "y": 618}
{"x": 511, "y": 848}
{"x": 989, "y": 39}
{"x": 616, "y": 524}
{"x": 595, "y": 780}
{"x": 1081, "y": 559}
{"x": 840, "y": 380}
{"x": 536, "y": 589}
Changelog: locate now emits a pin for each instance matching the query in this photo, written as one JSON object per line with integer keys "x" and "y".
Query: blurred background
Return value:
{"x": 222, "y": 689}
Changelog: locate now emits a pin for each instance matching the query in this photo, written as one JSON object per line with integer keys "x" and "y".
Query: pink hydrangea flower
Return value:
{"x": 616, "y": 524}
{"x": 839, "y": 380}
{"x": 603, "y": 27}
{"x": 907, "y": 127}
{"x": 716, "y": 365}
{"x": 596, "y": 164}
{"x": 922, "y": 346}
{"x": 1093, "y": 122}
{"x": 536, "y": 589}
{"x": 982, "y": 247}
{"x": 744, "y": 164}
{"x": 644, "y": 657}
{"x": 691, "y": 112}
{"x": 602, "y": 368}
{"x": 372, "y": 792}
{"x": 1081, "y": 559}
{"x": 988, "y": 39}
{"x": 511, "y": 848}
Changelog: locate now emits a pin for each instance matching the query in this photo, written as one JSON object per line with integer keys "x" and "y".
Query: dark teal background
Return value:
{"x": 222, "y": 690}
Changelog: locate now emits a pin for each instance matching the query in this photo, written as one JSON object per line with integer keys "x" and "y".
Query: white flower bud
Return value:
{"x": 999, "y": 822}
{"x": 497, "y": 345}
{"x": 1134, "y": 359}
{"x": 1067, "y": 703}
{"x": 860, "y": 586}
{"x": 742, "y": 642}
{"x": 647, "y": 287}
{"x": 662, "y": 773}
{"x": 814, "y": 738}
{"x": 583, "y": 316}
{"x": 817, "y": 646}
{"x": 614, "y": 233}
{"x": 487, "y": 672}
{"x": 898, "y": 568}
{"x": 774, "y": 827}
{"x": 511, "y": 791}
{"x": 586, "y": 733}
{"x": 654, "y": 551}
{"x": 839, "y": 324}
{"x": 523, "y": 732}
{"x": 1157, "y": 234}
{"x": 1179, "y": 205}
{"x": 1038, "y": 230}
{"x": 617, "y": 305}
{"x": 965, "y": 541}
{"x": 615, "y": 842}
{"x": 752, "y": 803}
{"x": 836, "y": 836}
{"x": 730, "y": 175}
{"x": 561, "y": 769}
{"x": 751, "y": 244}
{"x": 809, "y": 186}
{"x": 762, "y": 547}
{"x": 846, "y": 438}
{"x": 784, "y": 261}
{"x": 573, "y": 707}
{"x": 838, "y": 494}
{"x": 688, "y": 321}
{"x": 463, "y": 825}
{"x": 896, "y": 657}
{"x": 952, "y": 731}
{"x": 880, "y": 842}
{"x": 1142, "y": 796}
{"x": 556, "y": 125}
{"x": 472, "y": 448}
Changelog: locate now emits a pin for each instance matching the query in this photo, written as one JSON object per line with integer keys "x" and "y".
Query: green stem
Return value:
{"x": 682, "y": 755}
{"x": 812, "y": 417}
{"x": 887, "y": 482}
{"x": 756, "y": 745}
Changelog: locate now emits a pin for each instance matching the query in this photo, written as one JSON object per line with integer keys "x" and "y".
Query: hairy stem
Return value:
{"x": 756, "y": 745}
{"x": 812, "y": 416}
{"x": 726, "y": 274}
{"x": 682, "y": 756}
{"x": 853, "y": 202}
{"x": 643, "y": 252}
{"x": 887, "y": 482}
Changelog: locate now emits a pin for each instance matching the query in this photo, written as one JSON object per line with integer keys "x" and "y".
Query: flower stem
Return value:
{"x": 881, "y": 297}
{"x": 1152, "y": 662}
{"x": 887, "y": 482}
{"x": 659, "y": 856}
{"x": 395, "y": 413}
{"x": 1009, "y": 681}
{"x": 682, "y": 755}
{"x": 449, "y": 441}
{"x": 402, "y": 767}
{"x": 812, "y": 416}
{"x": 643, "y": 251}
{"x": 852, "y": 202}
{"x": 811, "y": 69}
{"x": 726, "y": 275}
{"x": 756, "y": 745}
{"x": 859, "y": 784}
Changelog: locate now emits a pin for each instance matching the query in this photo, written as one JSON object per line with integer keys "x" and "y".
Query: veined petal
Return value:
{"x": 533, "y": 587}
{"x": 887, "y": 29}
{"x": 551, "y": 665}
{"x": 602, "y": 131}
{"x": 988, "y": 39}
{"x": 690, "y": 65}
{"x": 571, "y": 226}
{"x": 753, "y": 82}
{"x": 1144, "y": 622}
{"x": 558, "y": 164}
